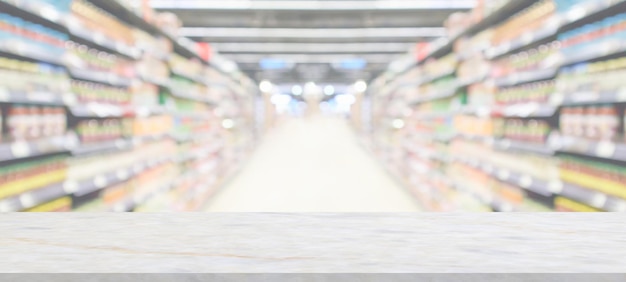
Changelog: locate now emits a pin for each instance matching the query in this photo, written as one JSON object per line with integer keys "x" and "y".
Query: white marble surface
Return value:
{"x": 297, "y": 243}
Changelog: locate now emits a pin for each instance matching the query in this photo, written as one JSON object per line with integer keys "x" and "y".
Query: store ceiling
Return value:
{"x": 324, "y": 41}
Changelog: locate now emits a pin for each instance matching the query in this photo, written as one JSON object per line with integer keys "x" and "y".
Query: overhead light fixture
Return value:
{"x": 335, "y": 59}
{"x": 266, "y": 86}
{"x": 398, "y": 124}
{"x": 274, "y": 64}
{"x": 229, "y": 67}
{"x": 346, "y": 99}
{"x": 352, "y": 64}
{"x": 329, "y": 90}
{"x": 281, "y": 99}
{"x": 316, "y": 33}
{"x": 312, "y": 48}
{"x": 310, "y": 85}
{"x": 228, "y": 123}
{"x": 306, "y": 5}
{"x": 296, "y": 90}
{"x": 360, "y": 86}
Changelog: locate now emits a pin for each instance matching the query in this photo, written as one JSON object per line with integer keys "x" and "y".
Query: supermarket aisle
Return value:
{"x": 312, "y": 165}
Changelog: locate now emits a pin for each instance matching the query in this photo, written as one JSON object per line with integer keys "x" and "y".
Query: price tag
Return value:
{"x": 139, "y": 168}
{"x": 583, "y": 97}
{"x": 70, "y": 99}
{"x": 504, "y": 48}
{"x": 488, "y": 198}
{"x": 599, "y": 200}
{"x": 528, "y": 38}
{"x": 142, "y": 112}
{"x": 621, "y": 95}
{"x": 119, "y": 207}
{"x": 605, "y": 150}
{"x": 98, "y": 38}
{"x": 100, "y": 181}
{"x": 504, "y": 175}
{"x": 557, "y": 99}
{"x": 555, "y": 187}
{"x": 528, "y": 110}
{"x": 50, "y": 14}
{"x": 576, "y": 14}
{"x": 620, "y": 206}
{"x": 120, "y": 144}
{"x": 506, "y": 207}
{"x": 70, "y": 187}
{"x": 111, "y": 79}
{"x": 20, "y": 150}
{"x": 119, "y": 47}
{"x": 489, "y": 141}
{"x": 505, "y": 144}
{"x": 27, "y": 200}
{"x": 6, "y": 206}
{"x": 70, "y": 142}
{"x": 4, "y": 95}
{"x": 41, "y": 97}
{"x": 488, "y": 169}
{"x": 138, "y": 198}
{"x": 122, "y": 174}
{"x": 526, "y": 181}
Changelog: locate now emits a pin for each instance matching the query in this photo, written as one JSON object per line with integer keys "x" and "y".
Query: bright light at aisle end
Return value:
{"x": 346, "y": 99}
{"x": 297, "y": 90}
{"x": 281, "y": 100}
{"x": 266, "y": 86}
{"x": 360, "y": 86}
{"x": 329, "y": 90}
{"x": 228, "y": 123}
{"x": 398, "y": 124}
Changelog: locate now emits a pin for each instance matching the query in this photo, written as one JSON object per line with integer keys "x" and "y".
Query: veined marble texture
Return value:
{"x": 312, "y": 243}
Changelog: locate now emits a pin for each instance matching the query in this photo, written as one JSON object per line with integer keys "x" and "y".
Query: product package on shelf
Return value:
{"x": 93, "y": 103}
{"x": 531, "y": 103}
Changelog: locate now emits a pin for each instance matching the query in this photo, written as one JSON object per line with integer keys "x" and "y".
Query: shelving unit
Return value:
{"x": 119, "y": 145}
{"x": 523, "y": 151}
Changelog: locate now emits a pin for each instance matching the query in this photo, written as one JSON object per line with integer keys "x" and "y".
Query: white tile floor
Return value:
{"x": 312, "y": 165}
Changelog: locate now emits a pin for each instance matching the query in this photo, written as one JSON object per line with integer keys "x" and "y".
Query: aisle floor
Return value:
{"x": 313, "y": 164}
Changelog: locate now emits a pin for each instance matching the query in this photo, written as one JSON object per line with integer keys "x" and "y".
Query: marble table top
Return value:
{"x": 312, "y": 243}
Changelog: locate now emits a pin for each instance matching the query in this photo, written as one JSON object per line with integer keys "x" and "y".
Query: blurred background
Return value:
{"x": 312, "y": 106}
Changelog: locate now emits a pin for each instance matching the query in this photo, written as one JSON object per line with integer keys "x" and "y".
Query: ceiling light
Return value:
{"x": 360, "y": 86}
{"x": 329, "y": 90}
{"x": 310, "y": 85}
{"x": 305, "y": 5}
{"x": 389, "y": 32}
{"x": 281, "y": 100}
{"x": 296, "y": 90}
{"x": 266, "y": 86}
{"x": 316, "y": 48}
{"x": 345, "y": 99}
{"x": 398, "y": 124}
{"x": 371, "y": 59}
{"x": 228, "y": 123}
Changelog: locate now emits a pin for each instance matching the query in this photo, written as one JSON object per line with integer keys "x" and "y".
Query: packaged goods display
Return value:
{"x": 87, "y": 92}
{"x": 530, "y": 60}
{"x": 18, "y": 31}
{"x": 542, "y": 130}
{"x": 98, "y": 105}
{"x": 25, "y": 77}
{"x": 18, "y": 178}
{"x": 532, "y": 18}
{"x": 96, "y": 19}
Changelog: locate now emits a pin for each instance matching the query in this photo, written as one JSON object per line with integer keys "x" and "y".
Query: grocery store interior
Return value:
{"x": 312, "y": 106}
